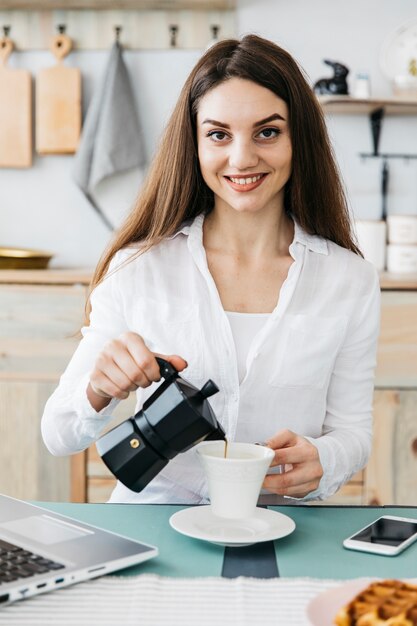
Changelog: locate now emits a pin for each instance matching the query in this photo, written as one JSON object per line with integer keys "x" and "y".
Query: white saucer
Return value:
{"x": 200, "y": 523}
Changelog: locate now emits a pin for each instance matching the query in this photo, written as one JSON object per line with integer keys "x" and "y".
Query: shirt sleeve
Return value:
{"x": 345, "y": 446}
{"x": 69, "y": 422}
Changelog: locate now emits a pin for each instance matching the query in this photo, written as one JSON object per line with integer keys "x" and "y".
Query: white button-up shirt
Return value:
{"x": 309, "y": 369}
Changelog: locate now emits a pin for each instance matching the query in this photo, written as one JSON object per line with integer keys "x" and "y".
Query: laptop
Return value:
{"x": 41, "y": 550}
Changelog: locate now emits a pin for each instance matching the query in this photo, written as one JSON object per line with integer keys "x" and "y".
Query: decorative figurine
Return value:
{"x": 336, "y": 84}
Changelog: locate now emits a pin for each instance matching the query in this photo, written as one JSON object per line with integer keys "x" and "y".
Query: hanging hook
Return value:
{"x": 214, "y": 31}
{"x": 6, "y": 45}
{"x": 61, "y": 29}
{"x": 117, "y": 31}
{"x": 173, "y": 29}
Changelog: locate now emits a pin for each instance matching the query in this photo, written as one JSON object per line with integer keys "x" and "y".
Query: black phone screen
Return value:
{"x": 389, "y": 532}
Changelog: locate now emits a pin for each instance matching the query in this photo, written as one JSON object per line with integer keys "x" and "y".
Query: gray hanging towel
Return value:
{"x": 111, "y": 140}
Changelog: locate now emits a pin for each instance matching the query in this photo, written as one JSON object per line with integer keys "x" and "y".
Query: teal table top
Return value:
{"x": 313, "y": 549}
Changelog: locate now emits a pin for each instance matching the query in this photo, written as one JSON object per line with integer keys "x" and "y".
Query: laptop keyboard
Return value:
{"x": 17, "y": 563}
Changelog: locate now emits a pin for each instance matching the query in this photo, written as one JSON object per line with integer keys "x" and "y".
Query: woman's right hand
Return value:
{"x": 122, "y": 366}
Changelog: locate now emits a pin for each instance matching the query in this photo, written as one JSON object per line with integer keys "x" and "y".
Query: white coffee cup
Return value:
{"x": 235, "y": 481}
{"x": 402, "y": 229}
{"x": 402, "y": 259}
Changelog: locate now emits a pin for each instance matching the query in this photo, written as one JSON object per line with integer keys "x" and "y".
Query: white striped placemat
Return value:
{"x": 150, "y": 600}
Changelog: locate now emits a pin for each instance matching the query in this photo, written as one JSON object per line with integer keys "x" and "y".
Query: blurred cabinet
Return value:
{"x": 391, "y": 474}
{"x": 41, "y": 313}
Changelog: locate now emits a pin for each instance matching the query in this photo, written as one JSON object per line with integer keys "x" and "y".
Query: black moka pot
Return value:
{"x": 172, "y": 420}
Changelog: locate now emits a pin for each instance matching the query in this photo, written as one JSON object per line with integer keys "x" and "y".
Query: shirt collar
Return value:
{"x": 313, "y": 242}
{"x": 186, "y": 227}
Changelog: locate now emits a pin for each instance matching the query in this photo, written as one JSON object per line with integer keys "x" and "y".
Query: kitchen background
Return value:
{"x": 42, "y": 207}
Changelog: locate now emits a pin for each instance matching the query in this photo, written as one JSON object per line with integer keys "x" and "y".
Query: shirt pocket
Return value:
{"x": 173, "y": 327}
{"x": 308, "y": 351}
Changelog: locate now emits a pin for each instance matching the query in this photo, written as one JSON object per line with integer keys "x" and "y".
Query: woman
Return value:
{"x": 237, "y": 263}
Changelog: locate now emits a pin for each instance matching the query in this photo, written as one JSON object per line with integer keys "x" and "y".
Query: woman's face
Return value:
{"x": 244, "y": 146}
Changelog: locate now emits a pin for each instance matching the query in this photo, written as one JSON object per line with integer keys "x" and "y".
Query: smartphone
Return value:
{"x": 388, "y": 535}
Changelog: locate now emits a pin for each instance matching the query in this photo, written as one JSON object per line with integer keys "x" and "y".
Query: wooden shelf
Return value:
{"x": 114, "y": 5}
{"x": 67, "y": 276}
{"x": 354, "y": 106}
{"x": 144, "y": 25}
{"x": 390, "y": 281}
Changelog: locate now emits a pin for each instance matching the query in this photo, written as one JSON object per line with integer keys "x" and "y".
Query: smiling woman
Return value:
{"x": 237, "y": 263}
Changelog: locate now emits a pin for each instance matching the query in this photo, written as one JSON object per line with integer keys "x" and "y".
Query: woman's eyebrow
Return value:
{"x": 270, "y": 118}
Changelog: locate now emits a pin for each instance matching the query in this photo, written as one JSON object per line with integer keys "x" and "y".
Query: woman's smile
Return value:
{"x": 246, "y": 182}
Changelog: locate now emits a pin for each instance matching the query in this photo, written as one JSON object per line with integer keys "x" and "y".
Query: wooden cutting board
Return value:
{"x": 58, "y": 103}
{"x": 15, "y": 112}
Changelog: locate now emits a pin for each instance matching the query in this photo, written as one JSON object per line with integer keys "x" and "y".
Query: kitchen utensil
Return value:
{"x": 23, "y": 258}
{"x": 15, "y": 112}
{"x": 172, "y": 420}
{"x": 384, "y": 187}
{"x": 58, "y": 103}
{"x": 234, "y": 478}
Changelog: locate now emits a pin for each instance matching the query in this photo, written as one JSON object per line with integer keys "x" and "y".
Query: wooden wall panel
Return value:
{"x": 27, "y": 469}
{"x": 391, "y": 475}
{"x": 39, "y": 329}
{"x": 142, "y": 27}
{"x": 397, "y": 350}
{"x": 404, "y": 466}
{"x": 379, "y": 480}
{"x": 100, "y": 481}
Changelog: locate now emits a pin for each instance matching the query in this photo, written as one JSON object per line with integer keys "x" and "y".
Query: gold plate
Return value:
{"x": 24, "y": 259}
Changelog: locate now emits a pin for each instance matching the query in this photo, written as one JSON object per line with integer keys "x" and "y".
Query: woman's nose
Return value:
{"x": 242, "y": 155}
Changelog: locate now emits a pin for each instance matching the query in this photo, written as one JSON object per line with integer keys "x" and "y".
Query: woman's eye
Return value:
{"x": 269, "y": 133}
{"x": 217, "y": 135}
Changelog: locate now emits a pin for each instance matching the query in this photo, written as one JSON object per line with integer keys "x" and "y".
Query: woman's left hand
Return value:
{"x": 303, "y": 463}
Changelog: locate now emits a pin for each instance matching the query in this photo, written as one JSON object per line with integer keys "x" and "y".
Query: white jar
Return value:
{"x": 362, "y": 86}
{"x": 402, "y": 229}
{"x": 401, "y": 259}
{"x": 371, "y": 235}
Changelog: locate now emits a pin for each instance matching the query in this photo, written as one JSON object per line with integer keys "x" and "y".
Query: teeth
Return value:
{"x": 245, "y": 181}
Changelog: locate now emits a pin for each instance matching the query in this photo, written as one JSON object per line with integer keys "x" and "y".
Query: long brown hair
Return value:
{"x": 175, "y": 190}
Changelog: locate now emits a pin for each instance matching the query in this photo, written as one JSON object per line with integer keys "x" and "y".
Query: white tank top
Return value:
{"x": 244, "y": 327}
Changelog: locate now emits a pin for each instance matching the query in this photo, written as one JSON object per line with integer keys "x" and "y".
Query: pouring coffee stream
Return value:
{"x": 172, "y": 420}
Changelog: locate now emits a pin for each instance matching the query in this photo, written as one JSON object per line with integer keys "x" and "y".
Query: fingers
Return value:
{"x": 107, "y": 389}
{"x": 302, "y": 462}
{"x": 291, "y": 448}
{"x": 178, "y": 362}
{"x": 297, "y": 482}
{"x": 126, "y": 363}
{"x": 301, "y": 452}
{"x": 282, "y": 439}
{"x": 116, "y": 372}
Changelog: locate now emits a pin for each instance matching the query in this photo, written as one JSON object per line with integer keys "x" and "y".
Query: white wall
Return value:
{"x": 42, "y": 208}
{"x": 353, "y": 33}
